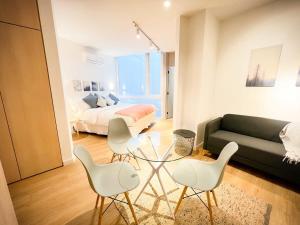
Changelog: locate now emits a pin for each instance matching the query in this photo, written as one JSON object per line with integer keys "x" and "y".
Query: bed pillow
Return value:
{"x": 101, "y": 102}
{"x": 82, "y": 106}
{"x": 91, "y": 100}
{"x": 109, "y": 101}
{"x": 77, "y": 106}
{"x": 114, "y": 98}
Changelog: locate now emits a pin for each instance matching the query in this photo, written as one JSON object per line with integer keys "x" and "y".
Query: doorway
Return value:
{"x": 170, "y": 91}
{"x": 170, "y": 74}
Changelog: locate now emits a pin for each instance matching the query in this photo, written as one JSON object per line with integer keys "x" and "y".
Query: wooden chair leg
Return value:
{"x": 120, "y": 158}
{"x": 101, "y": 209}
{"x": 97, "y": 201}
{"x": 209, "y": 208}
{"x": 131, "y": 208}
{"x": 180, "y": 199}
{"x": 214, "y": 196}
{"x": 112, "y": 158}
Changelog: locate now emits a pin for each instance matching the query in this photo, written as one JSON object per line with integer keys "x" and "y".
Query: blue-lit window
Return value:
{"x": 155, "y": 66}
{"x": 132, "y": 75}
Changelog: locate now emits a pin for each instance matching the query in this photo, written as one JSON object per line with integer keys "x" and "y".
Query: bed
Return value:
{"x": 95, "y": 120}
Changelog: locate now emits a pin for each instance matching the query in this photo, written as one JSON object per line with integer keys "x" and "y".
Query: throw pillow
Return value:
{"x": 91, "y": 100}
{"x": 109, "y": 101}
{"x": 114, "y": 98}
{"x": 101, "y": 102}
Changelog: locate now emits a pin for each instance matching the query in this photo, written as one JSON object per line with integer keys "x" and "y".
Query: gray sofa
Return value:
{"x": 259, "y": 143}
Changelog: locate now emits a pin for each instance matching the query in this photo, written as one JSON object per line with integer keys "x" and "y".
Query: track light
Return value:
{"x": 151, "y": 45}
{"x": 138, "y": 36}
{"x": 167, "y": 3}
{"x": 139, "y": 30}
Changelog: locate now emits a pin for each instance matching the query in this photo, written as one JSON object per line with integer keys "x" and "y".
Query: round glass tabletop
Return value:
{"x": 158, "y": 147}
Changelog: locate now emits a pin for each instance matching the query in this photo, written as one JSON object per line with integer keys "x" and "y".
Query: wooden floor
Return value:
{"x": 63, "y": 195}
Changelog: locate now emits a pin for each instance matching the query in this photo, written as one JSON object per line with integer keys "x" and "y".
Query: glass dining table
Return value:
{"x": 157, "y": 149}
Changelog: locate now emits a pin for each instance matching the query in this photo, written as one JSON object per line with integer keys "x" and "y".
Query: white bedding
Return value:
{"x": 101, "y": 116}
{"x": 95, "y": 120}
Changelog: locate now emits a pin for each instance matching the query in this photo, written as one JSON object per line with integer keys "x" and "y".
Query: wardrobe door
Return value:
{"x": 27, "y": 100}
{"x": 7, "y": 154}
{"x": 20, "y": 12}
{"x": 7, "y": 212}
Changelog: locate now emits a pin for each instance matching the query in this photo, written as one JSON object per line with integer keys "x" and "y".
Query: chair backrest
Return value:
{"x": 118, "y": 132}
{"x": 87, "y": 162}
{"x": 223, "y": 159}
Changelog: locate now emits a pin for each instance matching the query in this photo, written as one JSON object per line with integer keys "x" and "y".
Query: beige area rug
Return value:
{"x": 235, "y": 206}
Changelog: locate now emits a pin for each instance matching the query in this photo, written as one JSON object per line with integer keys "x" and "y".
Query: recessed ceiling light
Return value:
{"x": 167, "y": 3}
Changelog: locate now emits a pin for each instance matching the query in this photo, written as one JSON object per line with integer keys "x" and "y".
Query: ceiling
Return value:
{"x": 107, "y": 24}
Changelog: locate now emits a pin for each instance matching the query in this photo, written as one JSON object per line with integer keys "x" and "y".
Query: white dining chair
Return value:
{"x": 109, "y": 180}
{"x": 117, "y": 139}
{"x": 203, "y": 176}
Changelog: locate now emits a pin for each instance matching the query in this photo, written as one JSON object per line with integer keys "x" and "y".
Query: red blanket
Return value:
{"x": 137, "y": 112}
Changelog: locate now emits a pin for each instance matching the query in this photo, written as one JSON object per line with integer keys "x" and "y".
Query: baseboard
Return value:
{"x": 200, "y": 145}
{"x": 68, "y": 161}
{"x": 197, "y": 148}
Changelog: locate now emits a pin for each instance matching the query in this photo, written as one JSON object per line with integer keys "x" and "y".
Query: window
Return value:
{"x": 155, "y": 65}
{"x": 132, "y": 75}
{"x": 139, "y": 79}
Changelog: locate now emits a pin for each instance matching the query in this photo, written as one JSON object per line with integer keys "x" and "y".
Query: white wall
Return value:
{"x": 64, "y": 134}
{"x": 65, "y": 63}
{"x": 75, "y": 67}
{"x": 208, "y": 70}
{"x": 195, "y": 70}
{"x": 180, "y": 61}
{"x": 272, "y": 24}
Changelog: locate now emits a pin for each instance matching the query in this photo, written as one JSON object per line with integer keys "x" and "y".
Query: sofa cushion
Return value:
{"x": 258, "y": 127}
{"x": 263, "y": 151}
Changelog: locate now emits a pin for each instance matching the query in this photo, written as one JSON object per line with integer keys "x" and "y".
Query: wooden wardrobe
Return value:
{"x": 28, "y": 135}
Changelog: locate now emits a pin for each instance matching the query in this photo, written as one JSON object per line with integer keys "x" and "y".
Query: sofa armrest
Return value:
{"x": 211, "y": 127}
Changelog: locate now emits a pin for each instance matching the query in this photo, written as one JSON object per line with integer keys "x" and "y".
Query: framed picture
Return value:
{"x": 263, "y": 66}
{"x": 94, "y": 86}
{"x": 101, "y": 87}
{"x": 77, "y": 85}
{"x": 86, "y": 85}
{"x": 298, "y": 79}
